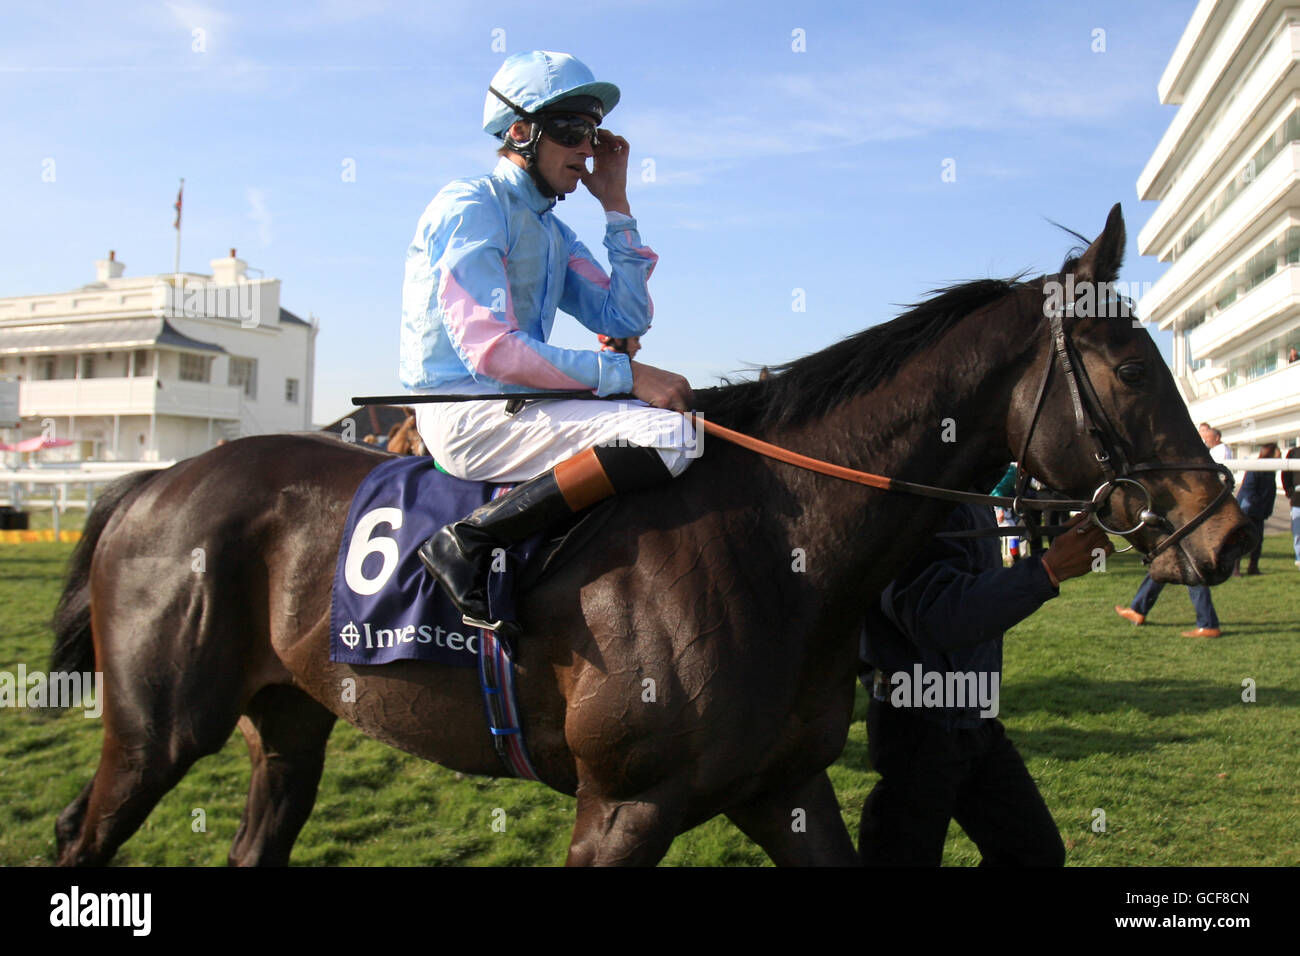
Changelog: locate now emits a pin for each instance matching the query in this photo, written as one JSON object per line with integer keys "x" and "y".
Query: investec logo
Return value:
{"x": 395, "y": 636}
{"x": 190, "y": 298}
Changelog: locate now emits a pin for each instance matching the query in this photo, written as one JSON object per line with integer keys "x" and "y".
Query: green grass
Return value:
{"x": 1141, "y": 723}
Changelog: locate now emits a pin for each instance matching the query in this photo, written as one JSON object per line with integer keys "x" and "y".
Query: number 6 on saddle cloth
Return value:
{"x": 386, "y": 607}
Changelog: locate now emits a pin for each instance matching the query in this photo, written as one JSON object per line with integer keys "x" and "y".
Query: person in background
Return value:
{"x": 1291, "y": 488}
{"x": 628, "y": 346}
{"x": 1256, "y": 498}
{"x": 1006, "y": 488}
{"x": 1207, "y": 619}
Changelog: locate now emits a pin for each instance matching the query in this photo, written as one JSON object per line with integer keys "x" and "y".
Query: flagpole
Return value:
{"x": 177, "y": 270}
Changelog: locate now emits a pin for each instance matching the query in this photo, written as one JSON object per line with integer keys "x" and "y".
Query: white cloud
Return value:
{"x": 260, "y": 214}
{"x": 936, "y": 91}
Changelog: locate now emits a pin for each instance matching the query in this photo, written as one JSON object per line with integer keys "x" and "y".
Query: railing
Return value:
{"x": 1254, "y": 398}
{"x": 90, "y": 475}
{"x": 128, "y": 396}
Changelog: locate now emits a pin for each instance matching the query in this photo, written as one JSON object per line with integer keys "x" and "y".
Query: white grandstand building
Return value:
{"x": 1227, "y": 176}
{"x": 159, "y": 367}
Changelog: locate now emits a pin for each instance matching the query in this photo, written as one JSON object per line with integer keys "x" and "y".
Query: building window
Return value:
{"x": 1260, "y": 361}
{"x": 1262, "y": 265}
{"x": 194, "y": 368}
{"x": 1226, "y": 292}
{"x": 1292, "y": 243}
{"x": 243, "y": 373}
{"x": 88, "y": 366}
{"x": 1286, "y": 133}
{"x": 140, "y": 364}
{"x": 291, "y": 391}
{"x": 45, "y": 368}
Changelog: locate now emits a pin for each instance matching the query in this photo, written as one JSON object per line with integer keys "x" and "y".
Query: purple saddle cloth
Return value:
{"x": 385, "y": 605}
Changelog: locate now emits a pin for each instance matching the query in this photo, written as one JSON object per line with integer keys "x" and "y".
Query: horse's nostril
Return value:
{"x": 1239, "y": 542}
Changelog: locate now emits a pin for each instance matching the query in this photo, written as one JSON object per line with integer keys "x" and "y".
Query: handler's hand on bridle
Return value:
{"x": 1071, "y": 553}
{"x": 659, "y": 388}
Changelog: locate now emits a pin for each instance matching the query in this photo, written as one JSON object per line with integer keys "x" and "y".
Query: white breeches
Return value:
{"x": 479, "y": 441}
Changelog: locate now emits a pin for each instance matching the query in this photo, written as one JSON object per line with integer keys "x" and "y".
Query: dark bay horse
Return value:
{"x": 697, "y": 658}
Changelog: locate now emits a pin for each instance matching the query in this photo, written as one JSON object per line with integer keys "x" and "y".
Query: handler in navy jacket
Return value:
{"x": 932, "y": 657}
{"x": 1257, "y": 496}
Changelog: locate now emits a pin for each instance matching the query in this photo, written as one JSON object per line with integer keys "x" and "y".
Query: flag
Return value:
{"x": 179, "y": 193}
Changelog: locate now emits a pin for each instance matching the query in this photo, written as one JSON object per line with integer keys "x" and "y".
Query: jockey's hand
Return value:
{"x": 1071, "y": 553}
{"x": 659, "y": 388}
{"x": 607, "y": 180}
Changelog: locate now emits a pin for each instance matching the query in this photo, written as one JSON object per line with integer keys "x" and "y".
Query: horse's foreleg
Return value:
{"x": 624, "y": 832}
{"x": 73, "y": 816}
{"x": 286, "y": 733}
{"x": 799, "y": 827}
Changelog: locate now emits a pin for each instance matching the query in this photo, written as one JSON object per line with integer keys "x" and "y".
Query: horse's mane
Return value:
{"x": 811, "y": 386}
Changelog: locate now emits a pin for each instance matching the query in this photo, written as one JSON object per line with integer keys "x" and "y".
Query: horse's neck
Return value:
{"x": 939, "y": 422}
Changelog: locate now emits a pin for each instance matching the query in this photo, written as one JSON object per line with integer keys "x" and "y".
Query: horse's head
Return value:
{"x": 1098, "y": 417}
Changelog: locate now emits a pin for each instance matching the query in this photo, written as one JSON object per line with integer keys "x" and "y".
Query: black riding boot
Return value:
{"x": 460, "y": 554}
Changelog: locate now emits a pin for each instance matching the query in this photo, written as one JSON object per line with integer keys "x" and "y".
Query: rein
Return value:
{"x": 769, "y": 450}
{"x": 885, "y": 483}
{"x": 1089, "y": 418}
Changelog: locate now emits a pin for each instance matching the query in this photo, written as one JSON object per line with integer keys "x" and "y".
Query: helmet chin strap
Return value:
{"x": 528, "y": 151}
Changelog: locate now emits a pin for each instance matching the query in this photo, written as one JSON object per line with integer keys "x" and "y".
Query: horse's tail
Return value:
{"x": 74, "y": 649}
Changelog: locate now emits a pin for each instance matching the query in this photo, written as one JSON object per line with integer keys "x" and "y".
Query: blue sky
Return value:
{"x": 774, "y": 169}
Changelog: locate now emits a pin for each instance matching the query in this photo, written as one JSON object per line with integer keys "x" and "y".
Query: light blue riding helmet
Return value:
{"x": 533, "y": 81}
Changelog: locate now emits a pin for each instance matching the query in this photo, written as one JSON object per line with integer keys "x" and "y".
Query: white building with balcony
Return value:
{"x": 1227, "y": 176}
{"x": 157, "y": 367}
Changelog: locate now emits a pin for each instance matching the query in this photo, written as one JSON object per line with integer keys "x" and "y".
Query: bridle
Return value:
{"x": 1090, "y": 418}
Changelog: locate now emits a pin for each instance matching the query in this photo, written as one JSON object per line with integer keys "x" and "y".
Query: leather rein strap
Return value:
{"x": 881, "y": 481}
{"x": 1089, "y": 417}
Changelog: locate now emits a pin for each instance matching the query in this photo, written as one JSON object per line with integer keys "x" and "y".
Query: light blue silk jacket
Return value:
{"x": 489, "y": 265}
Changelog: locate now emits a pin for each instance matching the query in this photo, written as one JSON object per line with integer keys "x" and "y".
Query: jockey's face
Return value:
{"x": 563, "y": 166}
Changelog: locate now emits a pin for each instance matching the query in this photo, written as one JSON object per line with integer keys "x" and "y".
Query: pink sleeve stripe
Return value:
{"x": 589, "y": 271}
{"x": 645, "y": 252}
{"x": 496, "y": 348}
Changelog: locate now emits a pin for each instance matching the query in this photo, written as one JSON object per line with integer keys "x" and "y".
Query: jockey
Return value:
{"x": 489, "y": 265}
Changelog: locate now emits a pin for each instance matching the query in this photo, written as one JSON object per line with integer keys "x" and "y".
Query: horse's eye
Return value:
{"x": 1131, "y": 373}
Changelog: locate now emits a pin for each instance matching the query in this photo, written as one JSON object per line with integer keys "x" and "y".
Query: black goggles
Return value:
{"x": 569, "y": 129}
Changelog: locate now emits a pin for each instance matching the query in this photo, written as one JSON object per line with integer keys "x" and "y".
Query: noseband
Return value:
{"x": 1108, "y": 452}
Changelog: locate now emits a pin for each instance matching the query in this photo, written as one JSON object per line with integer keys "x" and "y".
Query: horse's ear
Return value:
{"x": 1106, "y": 254}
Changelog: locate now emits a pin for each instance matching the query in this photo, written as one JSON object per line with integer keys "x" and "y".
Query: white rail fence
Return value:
{"x": 23, "y": 482}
